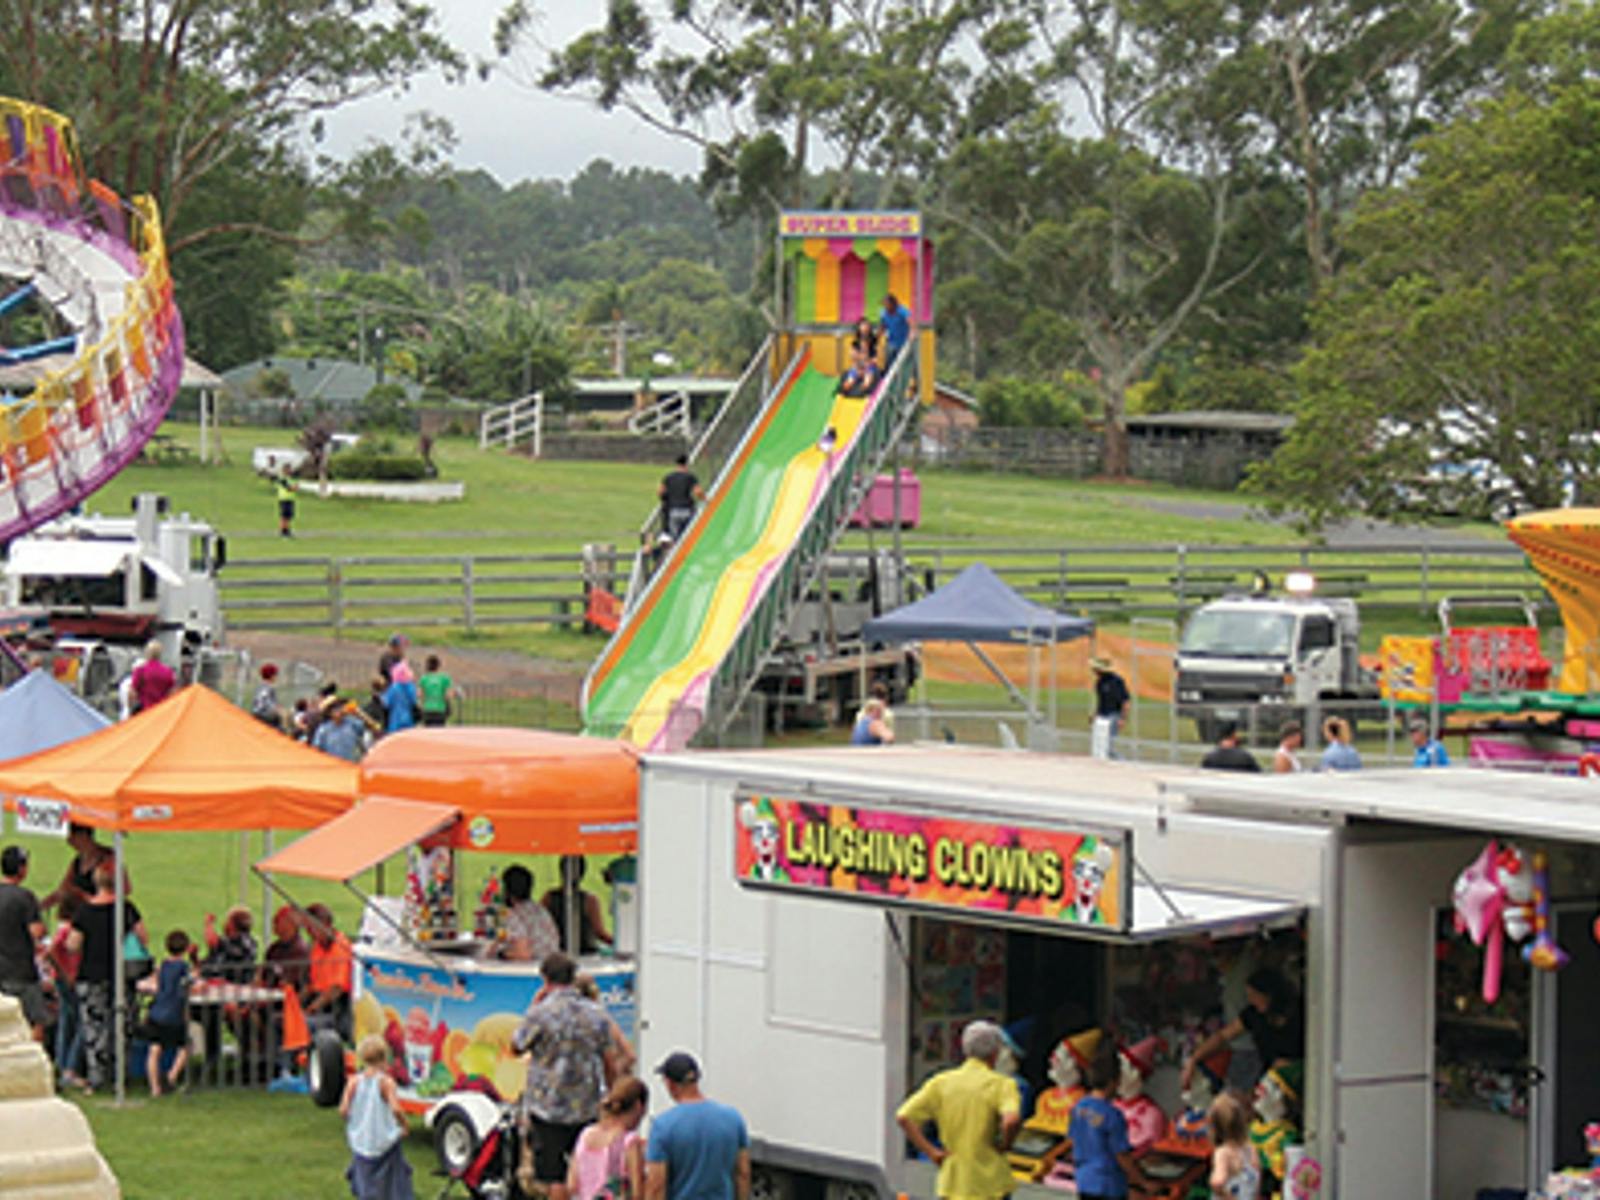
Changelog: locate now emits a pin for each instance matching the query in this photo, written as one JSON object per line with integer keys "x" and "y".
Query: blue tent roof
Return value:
{"x": 976, "y": 606}
{"x": 37, "y": 713}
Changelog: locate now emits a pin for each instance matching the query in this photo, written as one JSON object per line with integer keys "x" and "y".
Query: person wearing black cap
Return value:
{"x": 699, "y": 1149}
{"x": 21, "y": 928}
{"x": 1228, "y": 755}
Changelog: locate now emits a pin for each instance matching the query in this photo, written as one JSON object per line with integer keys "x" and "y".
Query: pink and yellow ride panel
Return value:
{"x": 101, "y": 264}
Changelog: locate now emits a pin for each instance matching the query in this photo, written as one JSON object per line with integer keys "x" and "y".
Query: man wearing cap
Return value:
{"x": 978, "y": 1112}
{"x": 567, "y": 1039}
{"x": 699, "y": 1149}
{"x": 1430, "y": 750}
{"x": 1110, "y": 703}
{"x": 21, "y": 927}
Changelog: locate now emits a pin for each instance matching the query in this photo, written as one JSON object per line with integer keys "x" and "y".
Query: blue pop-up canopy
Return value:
{"x": 37, "y": 713}
{"x": 976, "y": 606}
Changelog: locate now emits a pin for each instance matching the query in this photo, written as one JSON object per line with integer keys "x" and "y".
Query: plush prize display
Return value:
{"x": 1147, "y": 1123}
{"x": 1277, "y": 1123}
{"x": 1505, "y": 893}
{"x": 1068, "y": 1061}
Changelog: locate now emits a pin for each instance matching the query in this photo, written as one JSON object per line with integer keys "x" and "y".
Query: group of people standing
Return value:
{"x": 398, "y": 699}
{"x": 975, "y": 1109}
{"x": 582, "y": 1109}
{"x": 1339, "y": 752}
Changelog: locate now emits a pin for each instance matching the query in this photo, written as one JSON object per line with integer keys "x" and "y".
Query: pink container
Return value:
{"x": 877, "y": 509}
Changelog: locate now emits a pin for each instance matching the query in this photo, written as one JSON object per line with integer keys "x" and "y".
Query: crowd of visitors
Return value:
{"x": 65, "y": 976}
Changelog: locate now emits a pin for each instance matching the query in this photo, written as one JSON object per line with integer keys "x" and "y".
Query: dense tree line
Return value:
{"x": 1377, "y": 213}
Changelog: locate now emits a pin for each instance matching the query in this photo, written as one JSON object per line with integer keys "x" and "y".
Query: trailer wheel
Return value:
{"x": 849, "y": 1189}
{"x": 770, "y": 1183}
{"x": 325, "y": 1069}
{"x": 455, "y": 1141}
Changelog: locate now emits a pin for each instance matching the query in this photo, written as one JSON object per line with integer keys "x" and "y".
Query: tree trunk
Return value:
{"x": 1112, "y": 391}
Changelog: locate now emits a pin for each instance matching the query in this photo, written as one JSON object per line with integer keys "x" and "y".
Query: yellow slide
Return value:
{"x": 1564, "y": 547}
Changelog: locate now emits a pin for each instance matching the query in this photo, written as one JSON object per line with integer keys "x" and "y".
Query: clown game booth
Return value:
{"x": 1462, "y": 1043}
{"x": 852, "y": 909}
{"x": 428, "y": 976}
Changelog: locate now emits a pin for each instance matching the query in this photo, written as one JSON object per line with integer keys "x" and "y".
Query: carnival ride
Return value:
{"x": 1516, "y": 707}
{"x": 95, "y": 265}
{"x": 692, "y": 641}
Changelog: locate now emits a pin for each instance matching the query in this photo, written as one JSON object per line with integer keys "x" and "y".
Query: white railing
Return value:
{"x": 508, "y": 424}
{"x": 670, "y": 415}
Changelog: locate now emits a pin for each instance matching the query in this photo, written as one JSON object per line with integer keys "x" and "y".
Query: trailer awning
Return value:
{"x": 1505, "y": 803}
{"x": 1169, "y": 912}
{"x": 352, "y": 842}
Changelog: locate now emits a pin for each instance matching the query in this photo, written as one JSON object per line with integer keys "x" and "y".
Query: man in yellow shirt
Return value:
{"x": 978, "y": 1112}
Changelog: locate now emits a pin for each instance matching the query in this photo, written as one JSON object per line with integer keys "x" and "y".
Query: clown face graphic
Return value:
{"x": 1089, "y": 871}
{"x": 762, "y": 824}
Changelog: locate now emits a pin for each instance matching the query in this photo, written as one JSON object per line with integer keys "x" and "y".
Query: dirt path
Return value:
{"x": 353, "y": 663}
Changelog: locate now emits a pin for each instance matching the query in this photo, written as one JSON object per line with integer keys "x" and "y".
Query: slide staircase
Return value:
{"x": 100, "y": 266}
{"x": 695, "y": 633}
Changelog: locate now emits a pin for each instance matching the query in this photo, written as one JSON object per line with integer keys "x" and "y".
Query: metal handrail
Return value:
{"x": 766, "y": 621}
{"x": 749, "y": 393}
{"x": 641, "y": 582}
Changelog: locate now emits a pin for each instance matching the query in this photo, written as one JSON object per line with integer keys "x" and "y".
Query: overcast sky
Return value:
{"x": 514, "y": 132}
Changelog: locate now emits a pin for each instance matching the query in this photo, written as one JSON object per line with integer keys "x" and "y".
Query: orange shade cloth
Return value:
{"x": 363, "y": 837}
{"x": 192, "y": 762}
{"x": 521, "y": 791}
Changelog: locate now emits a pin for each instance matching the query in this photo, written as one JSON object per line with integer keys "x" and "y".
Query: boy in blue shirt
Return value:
{"x": 1101, "y": 1153}
{"x": 1430, "y": 750}
{"x": 166, "y": 1025}
{"x": 699, "y": 1149}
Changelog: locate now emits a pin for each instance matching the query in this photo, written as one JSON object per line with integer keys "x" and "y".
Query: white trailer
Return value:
{"x": 801, "y": 999}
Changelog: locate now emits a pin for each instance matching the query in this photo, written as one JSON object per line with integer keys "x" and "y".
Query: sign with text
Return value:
{"x": 850, "y": 224}
{"x": 46, "y": 818}
{"x": 1056, "y": 876}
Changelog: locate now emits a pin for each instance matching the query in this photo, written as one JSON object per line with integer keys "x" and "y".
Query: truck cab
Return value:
{"x": 1278, "y": 654}
{"x": 120, "y": 582}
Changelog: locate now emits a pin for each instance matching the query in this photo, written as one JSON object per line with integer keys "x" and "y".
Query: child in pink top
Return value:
{"x": 608, "y": 1160}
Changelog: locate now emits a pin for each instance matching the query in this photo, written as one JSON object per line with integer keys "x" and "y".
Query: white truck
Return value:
{"x": 1281, "y": 656}
{"x": 102, "y": 587}
{"x": 787, "y": 943}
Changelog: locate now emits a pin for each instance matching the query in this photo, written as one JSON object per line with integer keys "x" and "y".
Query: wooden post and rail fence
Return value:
{"x": 1113, "y": 583}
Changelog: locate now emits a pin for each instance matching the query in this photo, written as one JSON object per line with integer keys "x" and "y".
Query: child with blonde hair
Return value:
{"x": 608, "y": 1159}
{"x": 1235, "y": 1167}
{"x": 375, "y": 1125}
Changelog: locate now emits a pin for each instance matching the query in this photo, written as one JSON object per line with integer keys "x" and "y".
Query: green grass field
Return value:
{"x": 245, "y": 1145}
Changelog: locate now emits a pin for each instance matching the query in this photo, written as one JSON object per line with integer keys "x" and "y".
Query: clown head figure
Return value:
{"x": 1070, "y": 1059}
{"x": 758, "y": 817}
{"x": 1277, "y": 1098}
{"x": 1137, "y": 1061}
{"x": 1089, "y": 871}
{"x": 1147, "y": 1123}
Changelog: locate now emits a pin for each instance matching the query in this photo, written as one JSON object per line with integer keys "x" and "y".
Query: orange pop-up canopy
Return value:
{"x": 518, "y": 790}
{"x": 192, "y": 762}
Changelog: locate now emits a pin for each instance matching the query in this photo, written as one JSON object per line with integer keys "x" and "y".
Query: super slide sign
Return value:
{"x": 850, "y": 224}
{"x": 1041, "y": 874}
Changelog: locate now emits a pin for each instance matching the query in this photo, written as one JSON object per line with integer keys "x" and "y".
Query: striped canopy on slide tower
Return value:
{"x": 100, "y": 264}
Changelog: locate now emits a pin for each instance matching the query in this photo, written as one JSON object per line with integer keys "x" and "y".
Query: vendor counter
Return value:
{"x": 448, "y": 1014}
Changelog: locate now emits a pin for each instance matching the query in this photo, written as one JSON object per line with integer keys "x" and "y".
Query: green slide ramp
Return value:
{"x": 689, "y": 614}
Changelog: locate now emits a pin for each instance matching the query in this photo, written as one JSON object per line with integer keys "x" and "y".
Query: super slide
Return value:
{"x": 651, "y": 684}
{"x": 76, "y": 407}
